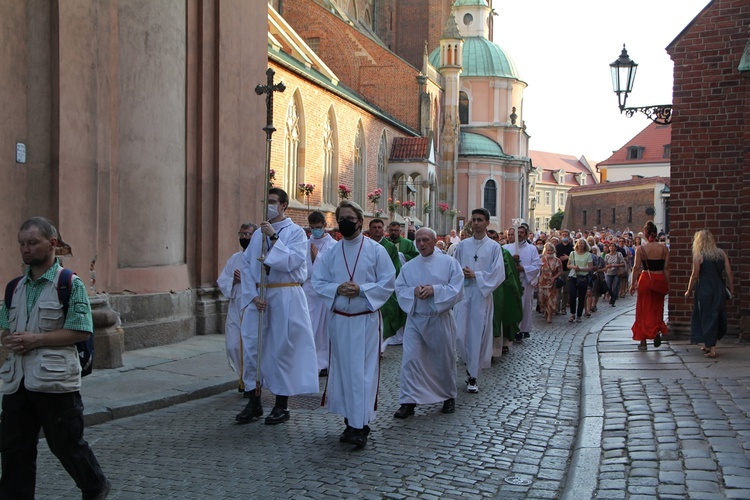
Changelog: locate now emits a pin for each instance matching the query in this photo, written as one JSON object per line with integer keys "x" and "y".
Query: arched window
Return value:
{"x": 360, "y": 166}
{"x": 293, "y": 146}
{"x": 463, "y": 108}
{"x": 330, "y": 159}
{"x": 383, "y": 164}
{"x": 490, "y": 197}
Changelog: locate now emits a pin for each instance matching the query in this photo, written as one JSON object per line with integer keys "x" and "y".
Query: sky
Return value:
{"x": 563, "y": 49}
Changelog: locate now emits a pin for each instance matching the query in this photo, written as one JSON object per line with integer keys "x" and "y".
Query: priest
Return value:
{"x": 354, "y": 280}
{"x": 529, "y": 266}
{"x": 427, "y": 289}
{"x": 481, "y": 261}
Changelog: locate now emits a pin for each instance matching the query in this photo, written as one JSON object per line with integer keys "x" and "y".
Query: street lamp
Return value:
{"x": 623, "y": 76}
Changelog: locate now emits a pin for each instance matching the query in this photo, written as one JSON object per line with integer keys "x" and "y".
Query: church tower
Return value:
{"x": 473, "y": 18}
{"x": 450, "y": 66}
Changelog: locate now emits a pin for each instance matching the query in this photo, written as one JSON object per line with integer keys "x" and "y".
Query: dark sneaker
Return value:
{"x": 406, "y": 410}
{"x": 449, "y": 406}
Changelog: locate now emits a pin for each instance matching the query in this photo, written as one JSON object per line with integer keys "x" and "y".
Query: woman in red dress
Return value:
{"x": 650, "y": 276}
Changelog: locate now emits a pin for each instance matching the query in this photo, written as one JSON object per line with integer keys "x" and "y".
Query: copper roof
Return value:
{"x": 652, "y": 139}
{"x": 410, "y": 148}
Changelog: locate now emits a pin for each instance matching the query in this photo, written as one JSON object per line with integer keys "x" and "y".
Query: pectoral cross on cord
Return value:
{"x": 356, "y": 261}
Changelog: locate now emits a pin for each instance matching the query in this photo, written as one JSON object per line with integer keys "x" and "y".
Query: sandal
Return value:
{"x": 705, "y": 349}
{"x": 578, "y": 319}
{"x": 572, "y": 319}
{"x": 710, "y": 355}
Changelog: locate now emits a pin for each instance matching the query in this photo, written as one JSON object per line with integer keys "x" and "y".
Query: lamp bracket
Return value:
{"x": 658, "y": 114}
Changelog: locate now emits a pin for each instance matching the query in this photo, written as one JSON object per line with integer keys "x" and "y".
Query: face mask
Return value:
{"x": 317, "y": 233}
{"x": 273, "y": 212}
{"x": 244, "y": 242}
{"x": 411, "y": 236}
{"x": 565, "y": 241}
{"x": 347, "y": 227}
{"x": 540, "y": 246}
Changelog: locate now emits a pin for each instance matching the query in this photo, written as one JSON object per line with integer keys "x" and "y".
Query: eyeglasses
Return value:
{"x": 246, "y": 234}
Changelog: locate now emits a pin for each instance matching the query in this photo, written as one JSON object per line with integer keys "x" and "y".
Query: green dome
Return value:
{"x": 471, "y": 144}
{"x": 461, "y": 3}
{"x": 482, "y": 58}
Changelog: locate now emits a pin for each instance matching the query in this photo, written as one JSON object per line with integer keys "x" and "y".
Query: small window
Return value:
{"x": 490, "y": 197}
{"x": 614, "y": 216}
{"x": 546, "y": 197}
{"x": 585, "y": 218}
{"x": 468, "y": 19}
{"x": 667, "y": 151}
{"x": 598, "y": 217}
{"x": 635, "y": 152}
{"x": 630, "y": 215}
{"x": 561, "y": 199}
{"x": 313, "y": 43}
{"x": 463, "y": 108}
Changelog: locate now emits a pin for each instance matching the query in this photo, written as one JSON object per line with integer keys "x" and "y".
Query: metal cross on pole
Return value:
{"x": 267, "y": 89}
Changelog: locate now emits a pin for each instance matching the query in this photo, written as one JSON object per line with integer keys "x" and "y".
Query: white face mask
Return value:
{"x": 273, "y": 212}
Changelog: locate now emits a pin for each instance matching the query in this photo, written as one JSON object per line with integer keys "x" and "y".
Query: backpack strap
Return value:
{"x": 9, "y": 289}
{"x": 64, "y": 286}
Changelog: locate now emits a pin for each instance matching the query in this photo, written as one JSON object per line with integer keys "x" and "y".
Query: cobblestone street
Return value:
{"x": 522, "y": 424}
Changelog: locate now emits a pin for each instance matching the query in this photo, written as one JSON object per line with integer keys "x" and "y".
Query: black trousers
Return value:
{"x": 61, "y": 417}
{"x": 576, "y": 292}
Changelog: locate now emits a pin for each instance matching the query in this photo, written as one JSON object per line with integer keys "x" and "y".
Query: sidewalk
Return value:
{"x": 157, "y": 377}
{"x": 666, "y": 422}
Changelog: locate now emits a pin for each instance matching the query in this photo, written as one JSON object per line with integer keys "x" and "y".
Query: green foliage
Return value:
{"x": 555, "y": 222}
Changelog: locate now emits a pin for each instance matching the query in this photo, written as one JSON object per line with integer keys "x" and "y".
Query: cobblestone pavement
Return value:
{"x": 675, "y": 423}
{"x": 521, "y": 425}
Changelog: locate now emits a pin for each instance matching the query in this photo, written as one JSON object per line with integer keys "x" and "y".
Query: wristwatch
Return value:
{"x": 274, "y": 237}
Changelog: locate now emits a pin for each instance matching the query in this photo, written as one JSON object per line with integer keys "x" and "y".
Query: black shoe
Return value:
{"x": 358, "y": 437}
{"x": 526, "y": 335}
{"x": 252, "y": 411}
{"x": 104, "y": 493}
{"x": 323, "y": 372}
{"x": 344, "y": 437}
{"x": 657, "y": 340}
{"x": 277, "y": 416}
{"x": 519, "y": 337}
{"x": 406, "y": 410}
{"x": 449, "y": 406}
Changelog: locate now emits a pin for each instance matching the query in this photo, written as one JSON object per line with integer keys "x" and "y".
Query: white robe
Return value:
{"x": 474, "y": 312}
{"x": 532, "y": 266}
{"x": 428, "y": 366}
{"x": 288, "y": 361}
{"x": 353, "y": 374}
{"x": 232, "y": 291}
{"x": 318, "y": 311}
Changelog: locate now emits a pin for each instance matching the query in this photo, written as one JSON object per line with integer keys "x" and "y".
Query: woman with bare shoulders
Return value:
{"x": 650, "y": 277}
{"x": 709, "y": 320}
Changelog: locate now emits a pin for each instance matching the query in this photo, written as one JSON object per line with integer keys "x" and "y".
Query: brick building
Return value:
{"x": 710, "y": 179}
{"x": 617, "y": 205}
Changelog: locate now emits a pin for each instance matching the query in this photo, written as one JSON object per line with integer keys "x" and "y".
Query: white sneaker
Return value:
{"x": 471, "y": 385}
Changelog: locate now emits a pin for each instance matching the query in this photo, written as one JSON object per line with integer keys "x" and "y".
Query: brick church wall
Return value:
{"x": 710, "y": 178}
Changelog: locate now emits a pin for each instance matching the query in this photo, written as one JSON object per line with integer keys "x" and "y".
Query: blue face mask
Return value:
{"x": 317, "y": 233}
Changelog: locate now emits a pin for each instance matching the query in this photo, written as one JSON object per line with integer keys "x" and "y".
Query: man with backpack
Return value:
{"x": 41, "y": 377}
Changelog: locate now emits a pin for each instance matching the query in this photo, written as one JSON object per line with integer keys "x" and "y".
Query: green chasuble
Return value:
{"x": 508, "y": 301}
{"x": 393, "y": 317}
{"x": 406, "y": 247}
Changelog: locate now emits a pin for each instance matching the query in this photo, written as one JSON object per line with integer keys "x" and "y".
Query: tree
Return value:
{"x": 555, "y": 222}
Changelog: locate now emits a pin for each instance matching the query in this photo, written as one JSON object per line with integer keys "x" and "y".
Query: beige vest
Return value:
{"x": 46, "y": 369}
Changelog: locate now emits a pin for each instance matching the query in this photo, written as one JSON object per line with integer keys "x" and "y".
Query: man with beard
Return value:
{"x": 287, "y": 359}
{"x": 354, "y": 279}
{"x": 481, "y": 261}
{"x": 403, "y": 245}
{"x": 319, "y": 243}
{"x": 427, "y": 289}
{"x": 528, "y": 265}
{"x": 229, "y": 283}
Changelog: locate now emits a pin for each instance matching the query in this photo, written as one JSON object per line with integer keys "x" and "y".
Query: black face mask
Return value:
{"x": 347, "y": 227}
{"x": 411, "y": 235}
{"x": 244, "y": 243}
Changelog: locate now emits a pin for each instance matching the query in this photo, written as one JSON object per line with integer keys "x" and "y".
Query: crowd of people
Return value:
{"x": 334, "y": 300}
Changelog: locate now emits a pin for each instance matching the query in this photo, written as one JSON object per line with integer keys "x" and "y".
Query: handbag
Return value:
{"x": 582, "y": 280}
{"x": 623, "y": 271}
{"x": 559, "y": 282}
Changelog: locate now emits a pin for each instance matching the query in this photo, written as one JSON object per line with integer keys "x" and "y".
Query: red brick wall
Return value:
{"x": 710, "y": 179}
{"x": 638, "y": 199}
{"x": 363, "y": 65}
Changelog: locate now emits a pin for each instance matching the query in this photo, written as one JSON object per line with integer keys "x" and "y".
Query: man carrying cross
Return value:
{"x": 482, "y": 262}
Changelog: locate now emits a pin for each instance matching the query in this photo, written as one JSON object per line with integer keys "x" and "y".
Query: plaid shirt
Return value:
{"x": 79, "y": 310}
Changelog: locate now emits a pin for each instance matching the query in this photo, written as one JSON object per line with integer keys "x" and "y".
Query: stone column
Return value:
{"x": 109, "y": 338}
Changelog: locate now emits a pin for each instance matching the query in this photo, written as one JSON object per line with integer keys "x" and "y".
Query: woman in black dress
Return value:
{"x": 709, "y": 320}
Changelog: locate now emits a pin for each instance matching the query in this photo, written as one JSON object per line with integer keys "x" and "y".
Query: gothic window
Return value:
{"x": 360, "y": 167}
{"x": 463, "y": 108}
{"x": 383, "y": 165}
{"x": 293, "y": 167}
{"x": 330, "y": 159}
{"x": 490, "y": 197}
